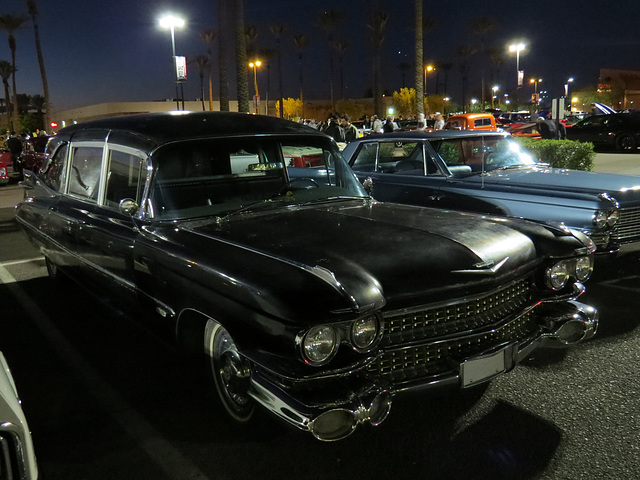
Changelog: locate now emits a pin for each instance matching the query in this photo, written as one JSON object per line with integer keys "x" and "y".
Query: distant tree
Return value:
{"x": 341, "y": 47}
{"x": 267, "y": 55}
{"x": 291, "y": 107}
{"x": 378, "y": 25}
{"x": 464, "y": 53}
{"x": 301, "y": 42}
{"x": 222, "y": 55}
{"x": 33, "y": 12}
{"x": 10, "y": 23}
{"x": 6, "y": 70}
{"x": 483, "y": 28}
{"x": 251, "y": 33}
{"x": 404, "y": 67}
{"x": 404, "y": 101}
{"x": 208, "y": 37}
{"x": 278, "y": 30}
{"x": 329, "y": 20}
{"x": 241, "y": 59}
{"x": 203, "y": 64}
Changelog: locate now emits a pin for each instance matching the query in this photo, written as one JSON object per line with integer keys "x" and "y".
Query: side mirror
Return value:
{"x": 128, "y": 206}
{"x": 368, "y": 185}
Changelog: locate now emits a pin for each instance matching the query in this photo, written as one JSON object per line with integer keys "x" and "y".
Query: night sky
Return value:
{"x": 113, "y": 50}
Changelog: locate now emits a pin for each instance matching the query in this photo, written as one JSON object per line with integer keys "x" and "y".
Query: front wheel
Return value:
{"x": 231, "y": 375}
{"x": 626, "y": 143}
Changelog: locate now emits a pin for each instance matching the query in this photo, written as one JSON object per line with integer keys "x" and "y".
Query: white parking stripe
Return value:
{"x": 170, "y": 460}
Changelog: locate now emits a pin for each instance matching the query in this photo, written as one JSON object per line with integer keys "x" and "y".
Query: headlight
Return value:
{"x": 319, "y": 343}
{"x": 613, "y": 218}
{"x": 364, "y": 332}
{"x": 584, "y": 267}
{"x": 557, "y": 276}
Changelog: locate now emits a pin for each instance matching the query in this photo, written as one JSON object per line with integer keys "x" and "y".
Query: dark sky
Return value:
{"x": 112, "y": 50}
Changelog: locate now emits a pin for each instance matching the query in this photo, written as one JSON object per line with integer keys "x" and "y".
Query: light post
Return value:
{"x": 566, "y": 93}
{"x": 256, "y": 99}
{"x": 535, "y": 82}
{"x": 171, "y": 22}
{"x": 517, "y": 48}
{"x": 427, "y": 68}
{"x": 494, "y": 89}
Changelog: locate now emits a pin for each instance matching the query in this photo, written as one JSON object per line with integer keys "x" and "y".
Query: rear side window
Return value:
{"x": 84, "y": 180}
{"x": 123, "y": 178}
{"x": 55, "y": 175}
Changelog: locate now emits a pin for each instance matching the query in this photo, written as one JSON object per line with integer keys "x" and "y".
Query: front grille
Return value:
{"x": 427, "y": 342}
{"x": 463, "y": 316}
{"x": 628, "y": 227}
{"x": 411, "y": 363}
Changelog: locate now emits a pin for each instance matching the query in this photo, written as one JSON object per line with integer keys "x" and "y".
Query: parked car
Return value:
{"x": 17, "y": 458}
{"x": 471, "y": 121}
{"x": 6, "y": 167}
{"x": 615, "y": 130}
{"x": 33, "y": 156}
{"x": 491, "y": 173}
{"x": 305, "y": 296}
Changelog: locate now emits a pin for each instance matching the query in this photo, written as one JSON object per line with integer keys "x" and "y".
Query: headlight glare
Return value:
{"x": 584, "y": 267}
{"x": 613, "y": 218}
{"x": 319, "y": 343}
{"x": 364, "y": 332}
{"x": 558, "y": 275}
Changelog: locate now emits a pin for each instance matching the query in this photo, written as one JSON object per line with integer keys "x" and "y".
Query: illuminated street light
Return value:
{"x": 171, "y": 22}
{"x": 566, "y": 92}
{"x": 427, "y": 68}
{"x": 534, "y": 82}
{"x": 518, "y": 48}
{"x": 256, "y": 98}
{"x": 495, "y": 89}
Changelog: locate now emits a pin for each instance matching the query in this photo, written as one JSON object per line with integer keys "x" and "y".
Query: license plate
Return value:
{"x": 480, "y": 369}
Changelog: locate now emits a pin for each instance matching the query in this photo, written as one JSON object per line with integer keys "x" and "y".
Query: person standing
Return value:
{"x": 14, "y": 144}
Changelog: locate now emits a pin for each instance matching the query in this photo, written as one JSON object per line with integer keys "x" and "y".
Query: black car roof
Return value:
{"x": 166, "y": 127}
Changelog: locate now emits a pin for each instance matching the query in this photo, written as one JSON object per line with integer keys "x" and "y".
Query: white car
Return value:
{"x": 17, "y": 458}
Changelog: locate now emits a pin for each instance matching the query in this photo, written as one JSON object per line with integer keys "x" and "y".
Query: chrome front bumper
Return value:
{"x": 569, "y": 323}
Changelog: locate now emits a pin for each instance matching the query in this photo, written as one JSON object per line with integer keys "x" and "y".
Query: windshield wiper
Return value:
{"x": 257, "y": 206}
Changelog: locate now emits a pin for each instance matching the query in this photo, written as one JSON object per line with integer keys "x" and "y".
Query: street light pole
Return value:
{"x": 517, "y": 48}
{"x": 255, "y": 64}
{"x": 427, "y": 68}
{"x": 171, "y": 22}
{"x": 566, "y": 93}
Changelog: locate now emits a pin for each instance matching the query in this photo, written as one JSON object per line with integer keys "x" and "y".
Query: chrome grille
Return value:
{"x": 628, "y": 227}
{"x": 11, "y": 467}
{"x": 468, "y": 315}
{"x": 405, "y": 364}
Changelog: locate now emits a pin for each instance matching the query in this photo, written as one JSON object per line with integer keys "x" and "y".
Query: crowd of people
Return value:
{"x": 14, "y": 143}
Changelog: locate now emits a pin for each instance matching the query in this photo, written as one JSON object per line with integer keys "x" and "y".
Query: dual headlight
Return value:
{"x": 603, "y": 219}
{"x": 558, "y": 275}
{"x": 320, "y": 343}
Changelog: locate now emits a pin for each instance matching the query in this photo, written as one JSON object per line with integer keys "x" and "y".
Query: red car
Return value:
{"x": 6, "y": 167}
{"x": 33, "y": 155}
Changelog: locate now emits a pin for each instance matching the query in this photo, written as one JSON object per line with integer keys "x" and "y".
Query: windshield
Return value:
{"x": 482, "y": 153}
{"x": 233, "y": 175}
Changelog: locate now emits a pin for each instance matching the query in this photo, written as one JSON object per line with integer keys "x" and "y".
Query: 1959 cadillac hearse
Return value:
{"x": 490, "y": 173}
{"x": 253, "y": 241}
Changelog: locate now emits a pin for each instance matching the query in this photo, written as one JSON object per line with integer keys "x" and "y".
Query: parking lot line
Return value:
{"x": 170, "y": 460}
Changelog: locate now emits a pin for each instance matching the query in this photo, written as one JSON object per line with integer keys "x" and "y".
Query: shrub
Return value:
{"x": 561, "y": 153}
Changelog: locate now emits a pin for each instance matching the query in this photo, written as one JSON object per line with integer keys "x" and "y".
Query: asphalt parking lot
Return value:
{"x": 108, "y": 399}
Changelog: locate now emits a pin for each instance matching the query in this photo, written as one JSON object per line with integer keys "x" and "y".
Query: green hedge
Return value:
{"x": 561, "y": 153}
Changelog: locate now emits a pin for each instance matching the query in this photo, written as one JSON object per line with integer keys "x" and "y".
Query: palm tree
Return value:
{"x": 33, "y": 11}
{"x": 278, "y": 30}
{"x": 10, "y": 23}
{"x": 6, "y": 70}
{"x": 446, "y": 67}
{"x": 378, "y": 26}
{"x": 202, "y": 63}
{"x": 251, "y": 33}
{"x": 208, "y": 37}
{"x": 419, "y": 79}
{"x": 465, "y": 52}
{"x": 222, "y": 55}
{"x": 341, "y": 47}
{"x": 404, "y": 67}
{"x": 482, "y": 28}
{"x": 329, "y": 21}
{"x": 266, "y": 56}
{"x": 301, "y": 42}
{"x": 241, "y": 59}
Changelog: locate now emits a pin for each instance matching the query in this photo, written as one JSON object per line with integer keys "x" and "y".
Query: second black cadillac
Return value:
{"x": 252, "y": 240}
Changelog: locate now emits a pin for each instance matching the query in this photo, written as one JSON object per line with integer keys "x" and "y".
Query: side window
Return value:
{"x": 86, "y": 164}
{"x": 55, "y": 175}
{"x": 123, "y": 178}
{"x": 366, "y": 159}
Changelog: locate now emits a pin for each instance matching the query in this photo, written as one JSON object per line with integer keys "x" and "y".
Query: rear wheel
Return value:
{"x": 626, "y": 143}
{"x": 231, "y": 375}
